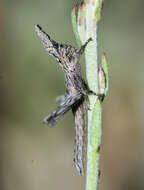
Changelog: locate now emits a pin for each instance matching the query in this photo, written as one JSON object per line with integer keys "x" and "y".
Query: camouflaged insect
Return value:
{"x": 76, "y": 90}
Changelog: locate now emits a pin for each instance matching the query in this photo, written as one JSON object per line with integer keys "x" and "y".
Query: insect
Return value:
{"x": 76, "y": 91}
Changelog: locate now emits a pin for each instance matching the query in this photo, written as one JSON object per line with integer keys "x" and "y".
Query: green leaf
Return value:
{"x": 74, "y": 24}
{"x": 81, "y": 21}
{"x": 98, "y": 9}
{"x": 105, "y": 69}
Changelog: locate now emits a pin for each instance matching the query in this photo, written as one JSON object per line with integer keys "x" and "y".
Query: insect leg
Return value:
{"x": 82, "y": 48}
{"x": 65, "y": 106}
{"x": 61, "y": 98}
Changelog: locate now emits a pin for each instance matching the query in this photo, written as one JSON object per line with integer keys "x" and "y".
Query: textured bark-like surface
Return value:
{"x": 79, "y": 111}
{"x": 76, "y": 90}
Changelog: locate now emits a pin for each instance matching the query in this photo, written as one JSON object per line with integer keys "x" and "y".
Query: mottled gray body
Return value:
{"x": 68, "y": 58}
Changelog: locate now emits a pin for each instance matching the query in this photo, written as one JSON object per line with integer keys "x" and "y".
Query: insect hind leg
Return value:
{"x": 60, "y": 99}
{"x": 64, "y": 106}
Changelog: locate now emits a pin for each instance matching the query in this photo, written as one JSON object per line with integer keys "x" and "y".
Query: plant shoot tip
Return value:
{"x": 82, "y": 4}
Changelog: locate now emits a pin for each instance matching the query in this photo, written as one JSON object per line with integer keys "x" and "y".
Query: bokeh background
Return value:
{"x": 35, "y": 157}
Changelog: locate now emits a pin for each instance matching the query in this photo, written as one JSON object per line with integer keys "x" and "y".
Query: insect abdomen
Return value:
{"x": 79, "y": 150}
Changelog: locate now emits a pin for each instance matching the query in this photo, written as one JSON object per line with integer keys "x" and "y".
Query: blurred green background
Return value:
{"x": 35, "y": 157}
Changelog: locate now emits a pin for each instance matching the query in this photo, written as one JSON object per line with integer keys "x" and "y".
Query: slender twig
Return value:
{"x": 85, "y": 26}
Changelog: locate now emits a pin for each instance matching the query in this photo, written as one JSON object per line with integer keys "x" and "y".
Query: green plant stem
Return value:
{"x": 94, "y": 112}
{"x": 87, "y": 22}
